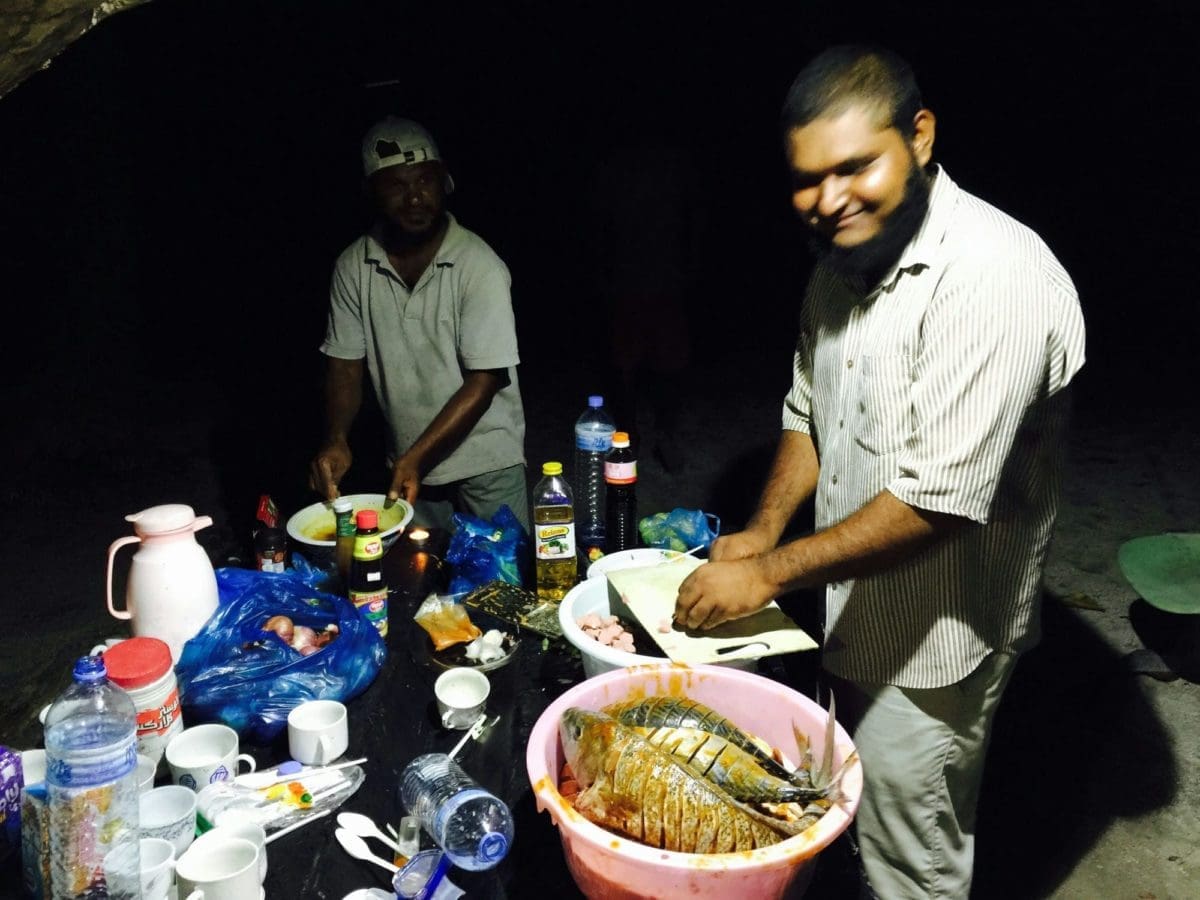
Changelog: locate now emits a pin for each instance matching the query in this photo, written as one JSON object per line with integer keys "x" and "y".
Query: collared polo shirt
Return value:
{"x": 946, "y": 385}
{"x": 418, "y": 342}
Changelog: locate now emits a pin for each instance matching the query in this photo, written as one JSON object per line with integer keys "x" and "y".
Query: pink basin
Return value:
{"x": 608, "y": 866}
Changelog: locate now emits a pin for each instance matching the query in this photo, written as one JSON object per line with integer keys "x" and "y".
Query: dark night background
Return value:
{"x": 175, "y": 187}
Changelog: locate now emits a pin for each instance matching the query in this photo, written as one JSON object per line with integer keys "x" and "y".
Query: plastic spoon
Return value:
{"x": 357, "y": 823}
{"x": 672, "y": 559}
{"x": 357, "y": 847}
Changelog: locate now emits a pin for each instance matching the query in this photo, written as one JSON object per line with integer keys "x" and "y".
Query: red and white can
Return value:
{"x": 142, "y": 667}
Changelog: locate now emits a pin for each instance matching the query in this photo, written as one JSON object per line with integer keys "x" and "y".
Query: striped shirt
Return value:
{"x": 946, "y": 386}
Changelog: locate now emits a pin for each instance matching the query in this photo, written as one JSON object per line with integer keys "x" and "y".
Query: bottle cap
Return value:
{"x": 367, "y": 518}
{"x": 343, "y": 505}
{"x": 137, "y": 661}
{"x": 621, "y": 439}
{"x": 595, "y": 401}
{"x": 552, "y": 468}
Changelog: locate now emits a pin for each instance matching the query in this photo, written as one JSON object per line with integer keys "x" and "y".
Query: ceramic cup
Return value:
{"x": 225, "y": 869}
{"x": 204, "y": 754}
{"x": 158, "y": 867}
{"x": 168, "y": 812}
{"x": 461, "y": 695}
{"x": 146, "y": 769}
{"x": 247, "y": 830}
{"x": 318, "y": 732}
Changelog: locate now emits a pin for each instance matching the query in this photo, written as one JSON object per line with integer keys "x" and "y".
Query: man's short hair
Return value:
{"x": 853, "y": 75}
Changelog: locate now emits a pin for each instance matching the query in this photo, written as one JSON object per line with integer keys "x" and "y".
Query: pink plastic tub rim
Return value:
{"x": 756, "y": 704}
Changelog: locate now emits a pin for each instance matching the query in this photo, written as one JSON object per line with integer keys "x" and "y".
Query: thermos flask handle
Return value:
{"x": 112, "y": 549}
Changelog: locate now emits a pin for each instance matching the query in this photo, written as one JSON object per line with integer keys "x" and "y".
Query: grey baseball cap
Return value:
{"x": 399, "y": 142}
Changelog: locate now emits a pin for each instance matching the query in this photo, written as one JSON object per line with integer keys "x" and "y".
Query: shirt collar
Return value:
{"x": 446, "y": 254}
{"x": 922, "y": 249}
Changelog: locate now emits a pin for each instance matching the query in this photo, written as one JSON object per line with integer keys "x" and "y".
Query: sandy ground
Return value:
{"x": 1093, "y": 786}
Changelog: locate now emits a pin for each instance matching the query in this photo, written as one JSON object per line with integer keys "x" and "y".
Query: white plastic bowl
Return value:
{"x": 629, "y": 559}
{"x": 307, "y": 526}
{"x": 591, "y": 596}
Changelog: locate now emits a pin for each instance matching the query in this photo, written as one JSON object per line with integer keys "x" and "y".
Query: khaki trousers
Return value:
{"x": 922, "y": 753}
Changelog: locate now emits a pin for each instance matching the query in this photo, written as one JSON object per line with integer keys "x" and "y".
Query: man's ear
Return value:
{"x": 924, "y": 126}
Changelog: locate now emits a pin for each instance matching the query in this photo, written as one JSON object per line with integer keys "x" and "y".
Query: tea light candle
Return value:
{"x": 418, "y": 537}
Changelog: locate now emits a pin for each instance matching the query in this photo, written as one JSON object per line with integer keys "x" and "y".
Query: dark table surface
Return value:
{"x": 396, "y": 720}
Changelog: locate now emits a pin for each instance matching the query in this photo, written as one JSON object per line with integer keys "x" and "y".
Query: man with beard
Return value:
{"x": 926, "y": 417}
{"x": 425, "y": 304}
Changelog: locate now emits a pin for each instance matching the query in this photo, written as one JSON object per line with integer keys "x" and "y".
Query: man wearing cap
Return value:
{"x": 425, "y": 303}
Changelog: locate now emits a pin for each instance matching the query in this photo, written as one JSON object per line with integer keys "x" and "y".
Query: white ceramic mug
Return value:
{"x": 158, "y": 867}
{"x": 318, "y": 732}
{"x": 247, "y": 830}
{"x": 204, "y": 754}
{"x": 225, "y": 869}
{"x": 168, "y": 812}
{"x": 146, "y": 770}
{"x": 461, "y": 696}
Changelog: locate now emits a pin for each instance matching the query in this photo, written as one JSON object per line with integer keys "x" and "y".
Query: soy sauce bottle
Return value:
{"x": 620, "y": 504}
{"x": 368, "y": 591}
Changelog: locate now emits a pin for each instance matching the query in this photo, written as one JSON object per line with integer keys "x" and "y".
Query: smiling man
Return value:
{"x": 424, "y": 305}
{"x": 929, "y": 400}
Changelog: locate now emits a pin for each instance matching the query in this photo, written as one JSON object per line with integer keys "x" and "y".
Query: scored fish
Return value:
{"x": 632, "y": 787}
{"x": 681, "y": 712}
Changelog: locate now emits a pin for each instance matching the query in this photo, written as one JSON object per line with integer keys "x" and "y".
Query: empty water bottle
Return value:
{"x": 471, "y": 825}
{"x": 91, "y": 776}
{"x": 593, "y": 439}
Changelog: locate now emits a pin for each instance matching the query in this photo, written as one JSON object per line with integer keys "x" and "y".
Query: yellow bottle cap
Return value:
{"x": 552, "y": 468}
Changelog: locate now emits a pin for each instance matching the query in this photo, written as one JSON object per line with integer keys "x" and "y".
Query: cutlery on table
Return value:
{"x": 357, "y": 823}
{"x": 357, "y": 847}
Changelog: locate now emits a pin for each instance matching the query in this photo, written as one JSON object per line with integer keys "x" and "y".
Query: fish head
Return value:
{"x": 586, "y": 736}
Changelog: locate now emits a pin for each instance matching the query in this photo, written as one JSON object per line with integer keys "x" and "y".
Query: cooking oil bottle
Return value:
{"x": 554, "y": 533}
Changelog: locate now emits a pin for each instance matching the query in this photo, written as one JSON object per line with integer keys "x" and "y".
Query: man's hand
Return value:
{"x": 720, "y": 591}
{"x": 326, "y": 471}
{"x": 406, "y": 480}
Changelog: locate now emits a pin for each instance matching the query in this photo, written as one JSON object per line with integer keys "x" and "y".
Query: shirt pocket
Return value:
{"x": 882, "y": 404}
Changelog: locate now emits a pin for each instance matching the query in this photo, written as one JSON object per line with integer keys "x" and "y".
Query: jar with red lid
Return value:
{"x": 142, "y": 667}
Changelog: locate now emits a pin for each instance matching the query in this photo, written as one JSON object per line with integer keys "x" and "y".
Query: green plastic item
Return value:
{"x": 1165, "y": 570}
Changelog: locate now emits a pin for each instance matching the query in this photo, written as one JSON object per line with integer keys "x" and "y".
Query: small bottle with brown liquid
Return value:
{"x": 343, "y": 511}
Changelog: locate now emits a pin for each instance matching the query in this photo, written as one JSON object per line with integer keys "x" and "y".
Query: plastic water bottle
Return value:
{"x": 593, "y": 439}
{"x": 620, "y": 475}
{"x": 554, "y": 534}
{"x": 471, "y": 825}
{"x": 91, "y": 776}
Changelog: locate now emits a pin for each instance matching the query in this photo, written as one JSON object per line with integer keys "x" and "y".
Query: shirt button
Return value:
{"x": 849, "y": 364}
{"x": 841, "y": 423}
{"x": 834, "y": 479}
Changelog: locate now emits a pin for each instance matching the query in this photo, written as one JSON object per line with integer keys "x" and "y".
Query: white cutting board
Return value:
{"x": 647, "y": 594}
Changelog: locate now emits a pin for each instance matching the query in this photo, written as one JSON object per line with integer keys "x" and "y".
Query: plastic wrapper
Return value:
{"x": 10, "y": 802}
{"x": 234, "y": 672}
{"x": 446, "y": 622}
{"x": 483, "y": 551}
{"x": 280, "y": 805}
{"x": 680, "y": 529}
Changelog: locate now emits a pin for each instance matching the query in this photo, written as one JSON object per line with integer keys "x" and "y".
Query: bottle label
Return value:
{"x": 372, "y": 606}
{"x": 370, "y": 547}
{"x": 593, "y": 441}
{"x": 554, "y": 540}
{"x": 345, "y": 526}
{"x": 620, "y": 472}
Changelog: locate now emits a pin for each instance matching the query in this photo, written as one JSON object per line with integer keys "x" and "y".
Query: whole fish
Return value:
{"x": 632, "y": 787}
{"x": 680, "y": 712}
{"x": 731, "y": 768}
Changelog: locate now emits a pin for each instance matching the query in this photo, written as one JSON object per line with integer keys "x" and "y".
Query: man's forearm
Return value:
{"x": 792, "y": 480}
{"x": 343, "y": 397}
{"x": 883, "y": 533}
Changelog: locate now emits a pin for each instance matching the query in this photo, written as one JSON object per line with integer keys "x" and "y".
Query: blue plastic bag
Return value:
{"x": 234, "y": 672}
{"x": 481, "y": 552}
{"x": 680, "y": 529}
